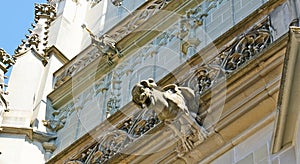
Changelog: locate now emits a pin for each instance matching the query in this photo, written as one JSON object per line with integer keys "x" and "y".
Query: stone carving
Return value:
{"x": 171, "y": 104}
{"x": 247, "y": 46}
{"x": 6, "y": 59}
{"x": 107, "y": 146}
{"x": 38, "y": 36}
{"x": 117, "y": 2}
{"x": 44, "y": 10}
{"x": 55, "y": 124}
{"x": 186, "y": 27}
{"x": 59, "y": 116}
{"x": 105, "y": 44}
{"x": 6, "y": 62}
{"x": 190, "y": 22}
{"x": 140, "y": 123}
{"x": 242, "y": 49}
{"x": 114, "y": 141}
{"x": 139, "y": 18}
{"x": 76, "y": 67}
{"x": 113, "y": 104}
{"x": 167, "y": 106}
{"x": 201, "y": 79}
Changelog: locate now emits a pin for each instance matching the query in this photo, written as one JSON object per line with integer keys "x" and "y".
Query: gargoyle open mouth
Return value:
{"x": 148, "y": 101}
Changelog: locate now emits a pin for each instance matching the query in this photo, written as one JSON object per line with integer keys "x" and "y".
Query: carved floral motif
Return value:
{"x": 115, "y": 140}
{"x": 242, "y": 49}
{"x": 106, "y": 147}
{"x": 139, "y": 18}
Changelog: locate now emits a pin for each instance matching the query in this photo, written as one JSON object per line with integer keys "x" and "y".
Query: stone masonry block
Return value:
{"x": 247, "y": 8}
{"x": 237, "y": 4}
{"x": 226, "y": 7}
{"x": 228, "y": 157}
{"x": 261, "y": 154}
{"x": 246, "y": 160}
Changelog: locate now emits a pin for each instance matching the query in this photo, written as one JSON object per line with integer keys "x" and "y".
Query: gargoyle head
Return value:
{"x": 142, "y": 93}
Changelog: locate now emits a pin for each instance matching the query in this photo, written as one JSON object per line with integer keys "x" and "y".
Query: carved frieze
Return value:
{"x": 139, "y": 18}
{"x": 76, "y": 67}
{"x": 107, "y": 146}
{"x": 59, "y": 116}
{"x": 114, "y": 141}
{"x": 140, "y": 123}
{"x": 243, "y": 48}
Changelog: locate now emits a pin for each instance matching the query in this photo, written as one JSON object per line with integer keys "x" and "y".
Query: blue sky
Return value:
{"x": 16, "y": 17}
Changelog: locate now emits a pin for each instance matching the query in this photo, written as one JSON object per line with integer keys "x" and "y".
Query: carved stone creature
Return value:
{"x": 105, "y": 44}
{"x": 168, "y": 102}
{"x": 171, "y": 104}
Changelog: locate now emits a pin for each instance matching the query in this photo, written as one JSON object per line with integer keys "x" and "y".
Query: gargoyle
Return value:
{"x": 105, "y": 44}
{"x": 171, "y": 104}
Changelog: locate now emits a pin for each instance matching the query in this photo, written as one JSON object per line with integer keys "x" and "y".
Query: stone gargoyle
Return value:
{"x": 105, "y": 44}
{"x": 172, "y": 105}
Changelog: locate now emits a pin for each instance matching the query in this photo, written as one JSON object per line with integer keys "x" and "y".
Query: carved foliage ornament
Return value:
{"x": 106, "y": 147}
{"x": 140, "y": 18}
{"x": 116, "y": 140}
{"x": 243, "y": 49}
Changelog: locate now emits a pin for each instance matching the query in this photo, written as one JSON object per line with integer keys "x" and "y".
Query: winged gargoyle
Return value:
{"x": 171, "y": 104}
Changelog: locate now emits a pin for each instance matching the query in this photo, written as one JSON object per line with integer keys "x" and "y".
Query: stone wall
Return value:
{"x": 155, "y": 59}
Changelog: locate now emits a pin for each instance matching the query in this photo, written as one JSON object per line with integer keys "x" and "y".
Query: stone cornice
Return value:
{"x": 29, "y": 132}
{"x": 57, "y": 53}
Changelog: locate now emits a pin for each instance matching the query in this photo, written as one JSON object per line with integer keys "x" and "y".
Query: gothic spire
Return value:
{"x": 37, "y": 38}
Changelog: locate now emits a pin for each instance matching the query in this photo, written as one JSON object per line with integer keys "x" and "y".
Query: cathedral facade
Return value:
{"x": 155, "y": 81}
